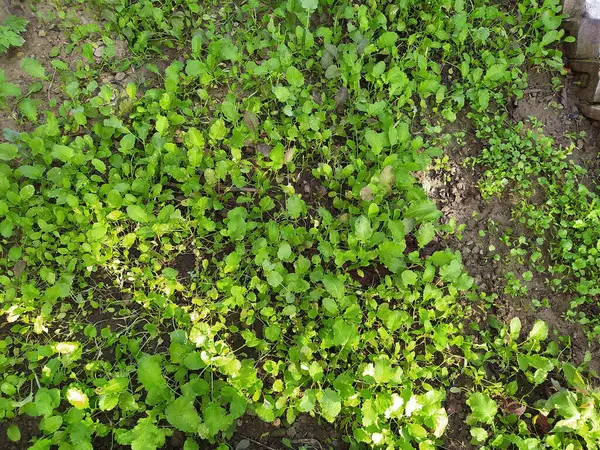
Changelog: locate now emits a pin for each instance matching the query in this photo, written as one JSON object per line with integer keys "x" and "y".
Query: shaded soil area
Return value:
{"x": 306, "y": 432}
{"x": 28, "y": 427}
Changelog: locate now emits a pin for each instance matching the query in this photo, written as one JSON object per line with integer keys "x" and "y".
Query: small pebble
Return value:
{"x": 99, "y": 51}
{"x": 120, "y": 76}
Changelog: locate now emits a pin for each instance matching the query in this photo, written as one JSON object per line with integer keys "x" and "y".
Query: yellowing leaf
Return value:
{"x": 77, "y": 398}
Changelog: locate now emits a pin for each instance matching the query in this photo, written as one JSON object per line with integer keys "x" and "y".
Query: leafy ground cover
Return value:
{"x": 232, "y": 229}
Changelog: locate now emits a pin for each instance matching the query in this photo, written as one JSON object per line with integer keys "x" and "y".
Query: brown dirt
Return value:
{"x": 29, "y": 429}
{"x": 43, "y": 33}
{"x": 306, "y": 432}
{"x": 459, "y": 198}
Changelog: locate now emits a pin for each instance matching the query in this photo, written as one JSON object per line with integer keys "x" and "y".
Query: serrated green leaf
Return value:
{"x": 483, "y": 408}
{"x": 33, "y": 67}
{"x": 182, "y": 414}
{"x": 8, "y": 151}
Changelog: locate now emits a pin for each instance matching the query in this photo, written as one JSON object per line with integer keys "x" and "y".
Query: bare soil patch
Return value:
{"x": 458, "y": 196}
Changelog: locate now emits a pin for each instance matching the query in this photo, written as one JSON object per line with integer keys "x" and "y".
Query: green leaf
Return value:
{"x": 138, "y": 214}
{"x": 111, "y": 392}
{"x": 422, "y": 210}
{"x": 496, "y": 72}
{"x": 151, "y": 377}
{"x": 344, "y": 333}
{"x": 425, "y": 234}
{"x": 223, "y": 49}
{"x": 162, "y": 125}
{"x": 127, "y": 143}
{"x": 515, "y": 328}
{"x": 539, "y": 332}
{"x": 377, "y": 141}
{"x": 281, "y": 93}
{"x": 193, "y": 361}
{"x": 182, "y": 414}
{"x": 274, "y": 278}
{"x": 294, "y": 77}
{"x": 33, "y": 67}
{"x": 330, "y": 403}
{"x": 480, "y": 435}
{"x": 8, "y": 151}
{"x": 194, "y": 68}
{"x": 218, "y": 130}
{"x": 78, "y": 398}
{"x": 49, "y": 425}
{"x": 483, "y": 408}
{"x": 13, "y": 433}
{"x": 216, "y": 418}
{"x": 309, "y": 5}
{"x": 334, "y": 286}
{"x": 144, "y": 436}
{"x": 294, "y": 206}
{"x": 62, "y": 153}
{"x": 28, "y": 108}
{"x": 362, "y": 229}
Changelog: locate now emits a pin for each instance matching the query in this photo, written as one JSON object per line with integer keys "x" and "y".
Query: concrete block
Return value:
{"x": 587, "y": 74}
{"x": 574, "y": 8}
{"x": 587, "y": 34}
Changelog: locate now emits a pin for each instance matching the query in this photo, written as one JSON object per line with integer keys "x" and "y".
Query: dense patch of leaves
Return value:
{"x": 278, "y": 157}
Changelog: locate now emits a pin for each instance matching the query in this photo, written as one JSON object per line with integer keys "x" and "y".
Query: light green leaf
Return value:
{"x": 77, "y": 398}
{"x": 310, "y": 5}
{"x": 329, "y": 400}
{"x": 8, "y": 151}
{"x": 216, "y": 418}
{"x": 162, "y": 124}
{"x": 151, "y": 377}
{"x": 539, "y": 332}
{"x": 425, "y": 234}
{"x": 13, "y": 433}
{"x": 33, "y": 67}
{"x": 194, "y": 68}
{"x": 28, "y": 108}
{"x": 218, "y": 130}
{"x": 182, "y": 414}
{"x": 422, "y": 210}
{"x": 515, "y": 328}
{"x": 294, "y": 77}
{"x": 144, "y": 436}
{"x": 294, "y": 205}
{"x": 138, "y": 214}
{"x": 50, "y": 425}
{"x": 274, "y": 278}
{"x": 334, "y": 286}
{"x": 483, "y": 408}
{"x": 480, "y": 435}
{"x": 362, "y": 229}
{"x": 281, "y": 93}
{"x": 62, "y": 153}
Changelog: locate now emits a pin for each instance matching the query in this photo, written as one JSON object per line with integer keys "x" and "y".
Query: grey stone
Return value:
{"x": 590, "y": 111}
{"x": 120, "y": 76}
